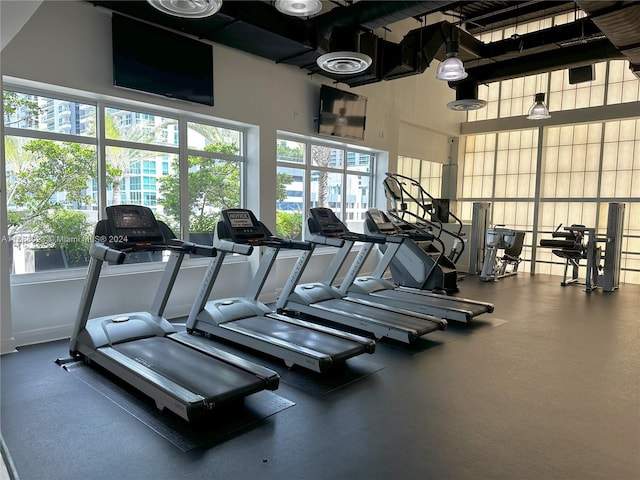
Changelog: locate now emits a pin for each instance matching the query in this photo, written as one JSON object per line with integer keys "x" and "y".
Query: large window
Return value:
{"x": 427, "y": 174}
{"x": 582, "y": 168}
{"x": 613, "y": 82}
{"x": 311, "y": 173}
{"x": 184, "y": 169}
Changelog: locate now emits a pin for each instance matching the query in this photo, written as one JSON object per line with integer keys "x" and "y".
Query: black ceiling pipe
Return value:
{"x": 371, "y": 15}
{"x": 566, "y": 57}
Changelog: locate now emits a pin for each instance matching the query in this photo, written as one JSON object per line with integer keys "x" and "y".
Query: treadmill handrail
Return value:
{"x": 192, "y": 248}
{"x": 100, "y": 251}
{"x": 328, "y": 241}
{"x": 234, "y": 247}
{"x": 363, "y": 237}
{"x": 277, "y": 242}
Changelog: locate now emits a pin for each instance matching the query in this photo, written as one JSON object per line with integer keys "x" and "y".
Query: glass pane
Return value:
{"x": 34, "y": 112}
{"x": 326, "y": 191}
{"x": 361, "y": 162}
{"x": 142, "y": 177}
{"x": 289, "y": 151}
{"x": 213, "y": 139}
{"x": 140, "y": 127}
{"x": 290, "y": 203}
{"x": 358, "y": 201}
{"x": 327, "y": 157}
{"x": 214, "y": 185}
{"x": 51, "y": 209}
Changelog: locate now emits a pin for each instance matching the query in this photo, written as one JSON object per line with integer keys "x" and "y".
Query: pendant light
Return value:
{"x": 539, "y": 109}
{"x": 451, "y": 68}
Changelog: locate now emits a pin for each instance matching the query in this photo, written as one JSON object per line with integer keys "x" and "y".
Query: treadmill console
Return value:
{"x": 323, "y": 221}
{"x": 241, "y": 226}
{"x": 131, "y": 225}
{"x": 379, "y": 222}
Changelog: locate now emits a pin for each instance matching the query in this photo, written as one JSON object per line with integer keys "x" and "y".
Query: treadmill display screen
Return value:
{"x": 240, "y": 220}
{"x": 376, "y": 216}
{"x": 133, "y": 224}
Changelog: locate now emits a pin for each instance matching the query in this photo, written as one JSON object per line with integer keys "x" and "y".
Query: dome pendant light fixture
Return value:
{"x": 299, "y": 8}
{"x": 451, "y": 68}
{"x": 538, "y": 110}
{"x": 187, "y": 8}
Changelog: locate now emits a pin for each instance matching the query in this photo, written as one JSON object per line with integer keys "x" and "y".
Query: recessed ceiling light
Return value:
{"x": 187, "y": 8}
{"x": 344, "y": 63}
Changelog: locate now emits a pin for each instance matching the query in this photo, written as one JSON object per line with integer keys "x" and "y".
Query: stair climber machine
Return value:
{"x": 181, "y": 374}
{"x": 377, "y": 223}
{"x": 248, "y": 322}
{"x": 323, "y": 301}
{"x": 440, "y": 273}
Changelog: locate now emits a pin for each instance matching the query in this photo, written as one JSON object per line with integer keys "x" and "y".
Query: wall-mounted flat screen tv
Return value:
{"x": 342, "y": 114}
{"x": 154, "y": 60}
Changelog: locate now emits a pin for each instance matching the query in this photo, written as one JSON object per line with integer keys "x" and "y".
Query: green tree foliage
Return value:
{"x": 282, "y": 180}
{"x": 54, "y": 167}
{"x": 69, "y": 230}
{"x": 213, "y": 185}
{"x": 289, "y": 225}
{"x": 12, "y": 101}
{"x": 288, "y": 153}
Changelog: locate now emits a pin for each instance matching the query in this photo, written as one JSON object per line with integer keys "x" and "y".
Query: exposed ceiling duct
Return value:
{"x": 620, "y": 22}
{"x": 257, "y": 27}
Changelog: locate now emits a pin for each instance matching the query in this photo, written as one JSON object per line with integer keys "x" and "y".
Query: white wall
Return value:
{"x": 68, "y": 44}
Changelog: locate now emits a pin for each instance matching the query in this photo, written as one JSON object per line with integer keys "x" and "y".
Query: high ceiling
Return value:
{"x": 608, "y": 30}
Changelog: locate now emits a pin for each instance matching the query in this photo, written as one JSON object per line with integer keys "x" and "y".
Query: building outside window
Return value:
{"x": 54, "y": 192}
{"x": 312, "y": 173}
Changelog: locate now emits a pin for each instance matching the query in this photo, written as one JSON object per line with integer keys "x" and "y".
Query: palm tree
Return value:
{"x": 321, "y": 156}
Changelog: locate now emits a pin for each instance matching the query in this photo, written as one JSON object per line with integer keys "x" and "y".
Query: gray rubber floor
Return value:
{"x": 546, "y": 387}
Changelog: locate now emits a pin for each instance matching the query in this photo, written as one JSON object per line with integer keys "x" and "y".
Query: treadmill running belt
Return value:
{"x": 474, "y": 308}
{"x": 325, "y": 343}
{"x": 207, "y": 376}
{"x": 378, "y": 315}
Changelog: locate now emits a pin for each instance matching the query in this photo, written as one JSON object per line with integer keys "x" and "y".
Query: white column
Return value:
{"x": 7, "y": 342}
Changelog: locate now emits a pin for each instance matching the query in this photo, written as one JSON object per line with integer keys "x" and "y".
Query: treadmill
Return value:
{"x": 183, "y": 375}
{"x": 322, "y": 301}
{"x": 454, "y": 308}
{"x": 248, "y": 322}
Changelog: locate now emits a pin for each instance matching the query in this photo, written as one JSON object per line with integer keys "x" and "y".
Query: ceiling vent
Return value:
{"x": 466, "y": 97}
{"x": 187, "y": 8}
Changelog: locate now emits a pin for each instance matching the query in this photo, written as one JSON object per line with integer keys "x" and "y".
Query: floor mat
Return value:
{"x": 454, "y": 331}
{"x": 221, "y": 424}
{"x": 320, "y": 384}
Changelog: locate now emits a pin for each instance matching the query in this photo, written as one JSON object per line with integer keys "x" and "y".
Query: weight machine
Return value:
{"x": 577, "y": 243}
{"x": 508, "y": 240}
